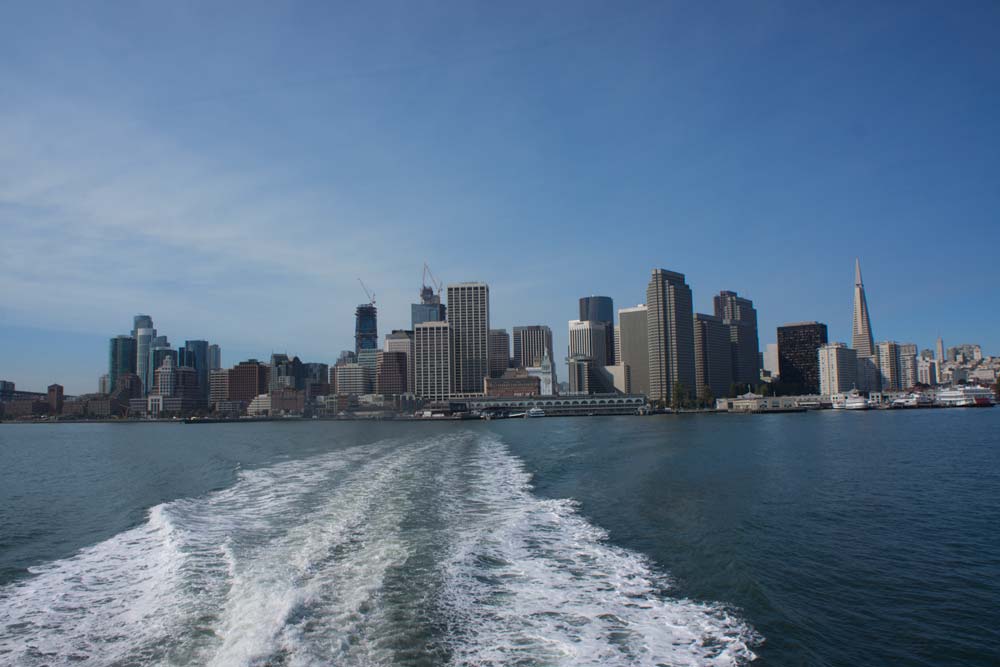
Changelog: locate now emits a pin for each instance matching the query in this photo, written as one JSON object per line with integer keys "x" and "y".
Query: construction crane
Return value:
{"x": 370, "y": 295}
{"x": 434, "y": 281}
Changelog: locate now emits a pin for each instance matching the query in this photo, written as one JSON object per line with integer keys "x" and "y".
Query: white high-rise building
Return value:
{"x": 927, "y": 372}
{"x": 432, "y": 357}
{"x": 588, "y": 339}
{"x": 838, "y": 369}
{"x": 888, "y": 365}
{"x": 907, "y": 365}
{"x": 531, "y": 343}
{"x": 469, "y": 327}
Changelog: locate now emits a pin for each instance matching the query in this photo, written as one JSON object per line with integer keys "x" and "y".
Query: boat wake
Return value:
{"x": 413, "y": 553}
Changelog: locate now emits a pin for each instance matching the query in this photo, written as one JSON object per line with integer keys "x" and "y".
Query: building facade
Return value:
{"x": 670, "y": 336}
{"x": 391, "y": 372}
{"x": 740, "y": 317}
{"x": 531, "y": 343}
{"x": 365, "y": 327}
{"x": 601, "y": 310}
{"x": 432, "y": 360}
{"x": 122, "y": 358}
{"x": 469, "y": 326}
{"x": 798, "y": 355}
{"x": 499, "y": 345}
{"x": 712, "y": 357}
{"x": 401, "y": 340}
{"x": 589, "y": 339}
{"x": 248, "y": 380}
{"x": 634, "y": 345}
{"x": 838, "y": 369}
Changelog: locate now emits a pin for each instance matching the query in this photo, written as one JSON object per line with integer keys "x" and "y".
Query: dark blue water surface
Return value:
{"x": 840, "y": 538}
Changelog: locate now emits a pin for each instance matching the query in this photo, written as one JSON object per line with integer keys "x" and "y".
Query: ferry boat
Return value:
{"x": 966, "y": 396}
{"x": 914, "y": 400}
{"x": 534, "y": 412}
{"x": 855, "y": 401}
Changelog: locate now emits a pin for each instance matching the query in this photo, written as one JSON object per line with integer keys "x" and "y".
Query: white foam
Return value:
{"x": 529, "y": 581}
{"x": 312, "y": 562}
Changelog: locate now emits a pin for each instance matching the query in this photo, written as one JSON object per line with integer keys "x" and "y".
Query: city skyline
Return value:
{"x": 237, "y": 187}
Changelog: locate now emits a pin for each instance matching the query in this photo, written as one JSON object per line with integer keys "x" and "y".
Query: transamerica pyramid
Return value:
{"x": 862, "y": 340}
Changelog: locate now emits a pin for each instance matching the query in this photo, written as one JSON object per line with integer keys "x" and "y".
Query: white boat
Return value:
{"x": 535, "y": 412}
{"x": 966, "y": 396}
{"x": 855, "y": 401}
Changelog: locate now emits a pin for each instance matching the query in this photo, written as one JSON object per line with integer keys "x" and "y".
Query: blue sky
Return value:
{"x": 231, "y": 169}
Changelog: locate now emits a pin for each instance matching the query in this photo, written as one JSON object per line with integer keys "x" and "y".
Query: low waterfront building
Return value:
{"x": 594, "y": 404}
{"x": 260, "y": 406}
{"x": 513, "y": 383}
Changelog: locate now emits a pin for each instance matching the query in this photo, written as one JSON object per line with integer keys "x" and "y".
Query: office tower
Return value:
{"x": 144, "y": 336}
{"x": 401, "y": 340}
{"x": 927, "y": 354}
{"x": 55, "y": 392}
{"x": 352, "y": 379}
{"x": 196, "y": 357}
{"x": 531, "y": 343}
{"x": 430, "y": 308}
{"x": 798, "y": 355}
{"x": 739, "y": 315}
{"x": 862, "y": 340}
{"x": 771, "y": 359}
{"x": 469, "y": 325}
{"x": 499, "y": 345}
{"x": 214, "y": 357}
{"x": 248, "y": 380}
{"x": 365, "y": 327}
{"x": 286, "y": 373}
{"x": 907, "y": 365}
{"x": 633, "y": 340}
{"x": 670, "y": 336}
{"x": 432, "y": 360}
{"x": 838, "y": 369}
{"x": 159, "y": 350}
{"x": 391, "y": 369}
{"x": 122, "y": 358}
{"x": 218, "y": 385}
{"x": 601, "y": 309}
{"x": 368, "y": 360}
{"x": 317, "y": 380}
{"x": 546, "y": 374}
{"x": 104, "y": 384}
{"x": 713, "y": 369}
{"x": 927, "y": 372}
{"x": 889, "y": 366}
{"x": 618, "y": 344}
{"x": 868, "y": 376}
{"x": 589, "y": 339}
{"x": 940, "y": 349}
{"x": 579, "y": 369}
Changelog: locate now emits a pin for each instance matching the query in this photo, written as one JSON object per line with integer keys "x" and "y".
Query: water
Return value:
{"x": 816, "y": 539}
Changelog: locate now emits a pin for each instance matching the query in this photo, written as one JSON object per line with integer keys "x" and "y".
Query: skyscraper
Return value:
{"x": 862, "y": 340}
{"x": 670, "y": 335}
{"x": 838, "y": 369}
{"x": 601, "y": 309}
{"x": 195, "y": 355}
{"x": 713, "y": 368}
{"x": 531, "y": 343}
{"x": 121, "y": 359}
{"x": 432, "y": 360}
{"x": 798, "y": 355}
{"x": 889, "y": 366}
{"x": 469, "y": 326}
{"x": 940, "y": 349}
{"x": 430, "y": 308}
{"x": 589, "y": 339}
{"x": 499, "y": 344}
{"x": 401, "y": 340}
{"x": 144, "y": 333}
{"x": 214, "y": 357}
{"x": 740, "y": 317}
{"x": 907, "y": 365}
{"x": 634, "y": 344}
{"x": 365, "y": 327}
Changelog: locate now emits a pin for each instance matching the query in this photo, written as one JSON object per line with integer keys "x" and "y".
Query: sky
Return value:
{"x": 232, "y": 169}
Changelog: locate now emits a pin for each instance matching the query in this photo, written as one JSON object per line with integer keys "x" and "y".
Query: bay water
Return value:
{"x": 823, "y": 538}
